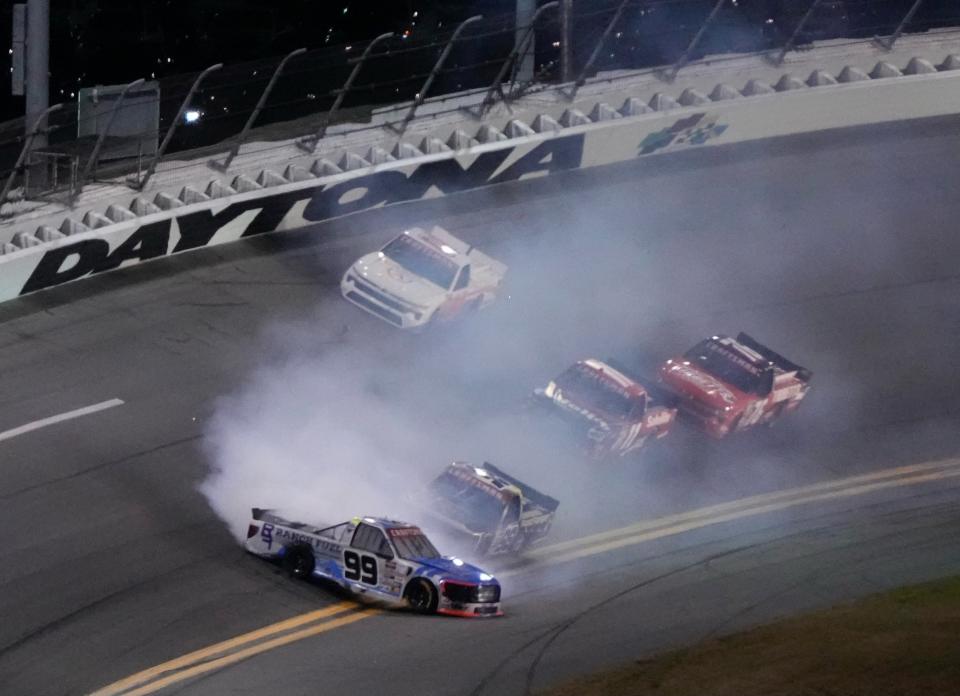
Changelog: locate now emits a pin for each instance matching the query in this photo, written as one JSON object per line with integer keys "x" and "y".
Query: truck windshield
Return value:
{"x": 589, "y": 387}
{"x": 412, "y": 544}
{"x": 421, "y": 260}
{"x": 476, "y": 508}
{"x": 715, "y": 359}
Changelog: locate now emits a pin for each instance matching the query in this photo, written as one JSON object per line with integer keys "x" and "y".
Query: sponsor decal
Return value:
{"x": 477, "y": 482}
{"x": 404, "y": 531}
{"x": 660, "y": 417}
{"x": 695, "y": 129}
{"x": 704, "y": 381}
{"x": 266, "y": 535}
{"x": 601, "y": 379}
{"x": 729, "y": 353}
{"x": 270, "y": 533}
{"x": 398, "y": 275}
{"x": 561, "y": 400}
{"x": 788, "y": 392}
{"x": 264, "y": 214}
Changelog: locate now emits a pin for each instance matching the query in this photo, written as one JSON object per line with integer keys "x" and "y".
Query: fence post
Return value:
{"x": 173, "y": 126}
{"x": 582, "y": 77}
{"x": 887, "y": 44}
{"x": 496, "y": 87}
{"x": 309, "y": 144}
{"x": 671, "y": 74}
{"x": 788, "y": 46}
{"x": 422, "y": 94}
{"x": 256, "y": 110}
{"x": 95, "y": 155}
{"x": 26, "y": 149}
{"x": 566, "y": 40}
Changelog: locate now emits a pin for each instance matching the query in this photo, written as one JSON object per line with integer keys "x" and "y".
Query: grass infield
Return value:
{"x": 900, "y": 643}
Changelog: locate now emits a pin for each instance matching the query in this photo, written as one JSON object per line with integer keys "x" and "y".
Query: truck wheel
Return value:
{"x": 422, "y": 596}
{"x": 523, "y": 543}
{"x": 483, "y": 544}
{"x": 776, "y": 414}
{"x": 298, "y": 561}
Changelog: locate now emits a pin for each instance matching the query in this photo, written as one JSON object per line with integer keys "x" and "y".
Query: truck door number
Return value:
{"x": 362, "y": 568}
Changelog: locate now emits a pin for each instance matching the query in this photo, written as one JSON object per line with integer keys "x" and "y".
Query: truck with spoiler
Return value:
{"x": 492, "y": 511}
{"x": 378, "y": 558}
{"x": 422, "y": 277}
{"x": 724, "y": 385}
{"x": 612, "y": 413}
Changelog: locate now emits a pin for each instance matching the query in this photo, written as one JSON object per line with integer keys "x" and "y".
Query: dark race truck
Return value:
{"x": 497, "y": 513}
{"x": 613, "y": 413}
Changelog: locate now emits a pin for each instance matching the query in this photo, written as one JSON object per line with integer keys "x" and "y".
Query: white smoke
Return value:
{"x": 352, "y": 417}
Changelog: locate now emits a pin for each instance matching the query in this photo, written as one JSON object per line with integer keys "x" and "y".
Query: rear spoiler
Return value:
{"x": 266, "y": 515}
{"x": 532, "y": 494}
{"x": 478, "y": 258}
{"x": 803, "y": 374}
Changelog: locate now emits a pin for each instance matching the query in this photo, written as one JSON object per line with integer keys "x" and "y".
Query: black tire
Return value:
{"x": 429, "y": 325}
{"x": 777, "y": 414}
{"x": 483, "y": 544}
{"x": 422, "y": 596}
{"x": 524, "y": 543}
{"x": 298, "y": 561}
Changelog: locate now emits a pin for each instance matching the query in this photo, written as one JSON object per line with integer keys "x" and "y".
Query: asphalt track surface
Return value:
{"x": 840, "y": 250}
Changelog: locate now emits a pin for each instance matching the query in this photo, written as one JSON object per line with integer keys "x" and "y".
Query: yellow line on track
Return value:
{"x": 226, "y": 653}
{"x": 146, "y": 675}
{"x": 742, "y": 503}
{"x": 241, "y": 655}
{"x": 747, "y": 507}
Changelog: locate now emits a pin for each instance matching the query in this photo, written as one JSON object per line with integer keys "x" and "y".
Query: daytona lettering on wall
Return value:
{"x": 264, "y": 214}
{"x": 695, "y": 129}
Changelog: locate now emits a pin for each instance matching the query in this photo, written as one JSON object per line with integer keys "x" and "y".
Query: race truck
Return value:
{"x": 422, "y": 277}
{"x": 613, "y": 413}
{"x": 378, "y": 558}
{"x": 726, "y": 385}
{"x": 493, "y": 511}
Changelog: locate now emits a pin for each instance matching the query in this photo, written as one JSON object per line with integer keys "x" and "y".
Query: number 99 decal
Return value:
{"x": 362, "y": 568}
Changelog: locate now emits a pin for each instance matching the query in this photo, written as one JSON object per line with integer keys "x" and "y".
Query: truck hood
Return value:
{"x": 571, "y": 406}
{"x": 699, "y": 385}
{"x": 395, "y": 279}
{"x": 455, "y": 569}
{"x": 450, "y": 514}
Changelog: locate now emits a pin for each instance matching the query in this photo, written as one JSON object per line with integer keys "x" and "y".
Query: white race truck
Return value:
{"x": 421, "y": 277}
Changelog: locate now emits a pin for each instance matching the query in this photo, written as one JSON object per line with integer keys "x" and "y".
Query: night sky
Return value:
{"x": 115, "y": 41}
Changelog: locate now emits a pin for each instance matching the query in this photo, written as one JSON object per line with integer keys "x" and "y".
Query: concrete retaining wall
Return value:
{"x": 226, "y": 210}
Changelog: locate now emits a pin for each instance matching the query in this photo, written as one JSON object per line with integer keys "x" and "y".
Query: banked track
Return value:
{"x": 840, "y": 248}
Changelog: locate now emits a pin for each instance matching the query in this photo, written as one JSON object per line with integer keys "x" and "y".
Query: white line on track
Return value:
{"x": 69, "y": 415}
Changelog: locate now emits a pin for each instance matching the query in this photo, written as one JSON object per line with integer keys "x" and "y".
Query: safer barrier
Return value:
{"x": 275, "y": 202}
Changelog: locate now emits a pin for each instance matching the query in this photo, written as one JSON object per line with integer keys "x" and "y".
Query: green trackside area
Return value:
{"x": 904, "y": 643}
